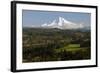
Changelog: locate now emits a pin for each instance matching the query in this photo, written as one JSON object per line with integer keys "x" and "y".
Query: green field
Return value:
{"x": 70, "y": 47}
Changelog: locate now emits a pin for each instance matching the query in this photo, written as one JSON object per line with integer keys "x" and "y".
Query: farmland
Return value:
{"x": 41, "y": 44}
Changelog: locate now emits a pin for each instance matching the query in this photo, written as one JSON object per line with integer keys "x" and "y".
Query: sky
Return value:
{"x": 37, "y": 18}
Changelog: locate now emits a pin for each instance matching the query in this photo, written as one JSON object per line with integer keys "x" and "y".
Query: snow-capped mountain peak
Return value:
{"x": 63, "y": 24}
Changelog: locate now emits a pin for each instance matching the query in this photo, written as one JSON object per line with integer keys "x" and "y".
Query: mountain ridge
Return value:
{"x": 62, "y": 24}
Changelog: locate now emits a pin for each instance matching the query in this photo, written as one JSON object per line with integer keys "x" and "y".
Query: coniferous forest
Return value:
{"x": 41, "y": 44}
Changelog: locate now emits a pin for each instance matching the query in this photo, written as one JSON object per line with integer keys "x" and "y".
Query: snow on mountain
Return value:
{"x": 53, "y": 24}
{"x": 63, "y": 24}
{"x": 43, "y": 25}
